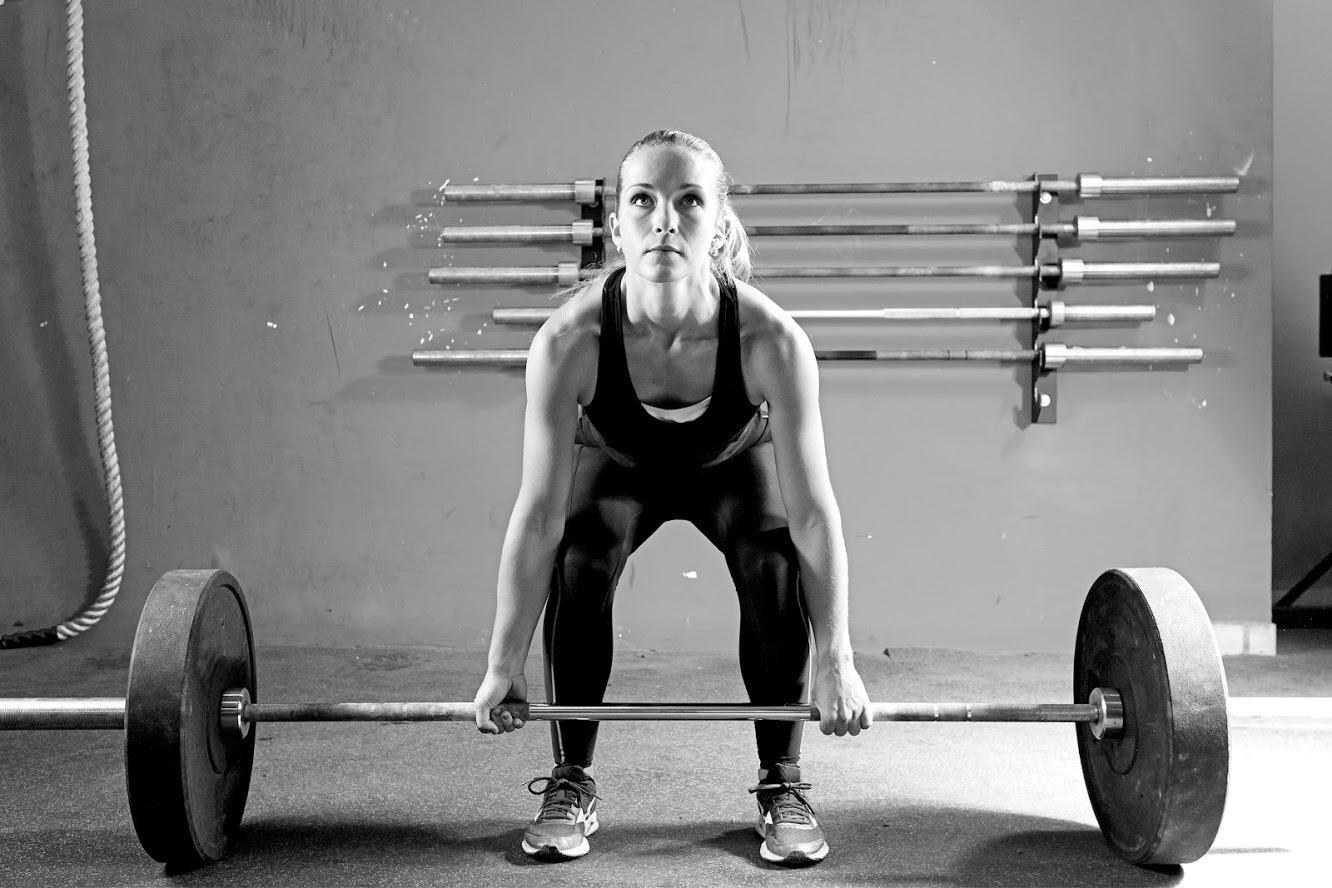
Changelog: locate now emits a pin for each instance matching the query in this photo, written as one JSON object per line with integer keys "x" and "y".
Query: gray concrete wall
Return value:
{"x": 1302, "y": 250}
{"x": 253, "y": 169}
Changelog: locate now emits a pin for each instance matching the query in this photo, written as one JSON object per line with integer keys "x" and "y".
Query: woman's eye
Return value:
{"x": 640, "y": 200}
{"x": 693, "y": 200}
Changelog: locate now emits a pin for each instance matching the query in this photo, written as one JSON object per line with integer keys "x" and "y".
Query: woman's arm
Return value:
{"x": 788, "y": 375}
{"x": 557, "y": 366}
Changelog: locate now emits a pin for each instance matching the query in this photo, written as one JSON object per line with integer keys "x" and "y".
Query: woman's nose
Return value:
{"x": 665, "y": 221}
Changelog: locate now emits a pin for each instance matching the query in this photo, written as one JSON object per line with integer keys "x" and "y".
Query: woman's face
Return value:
{"x": 668, "y": 213}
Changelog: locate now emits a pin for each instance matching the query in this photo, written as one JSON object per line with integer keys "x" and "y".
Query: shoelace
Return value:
{"x": 562, "y": 794}
{"x": 787, "y": 801}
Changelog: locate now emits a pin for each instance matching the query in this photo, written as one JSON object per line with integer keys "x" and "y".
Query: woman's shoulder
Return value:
{"x": 568, "y": 343}
{"x": 577, "y": 319}
{"x": 763, "y": 321}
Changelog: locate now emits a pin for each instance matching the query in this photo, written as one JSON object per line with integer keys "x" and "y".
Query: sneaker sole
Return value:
{"x": 795, "y": 858}
{"x": 553, "y": 853}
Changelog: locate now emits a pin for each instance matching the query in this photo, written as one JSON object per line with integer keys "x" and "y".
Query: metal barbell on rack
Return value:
{"x": 1047, "y": 356}
{"x": 1150, "y": 707}
{"x": 1084, "y": 185}
{"x": 1047, "y": 315}
{"x": 1079, "y": 229}
{"x": 1050, "y": 275}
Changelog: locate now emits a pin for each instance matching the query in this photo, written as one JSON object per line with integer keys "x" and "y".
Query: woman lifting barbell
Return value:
{"x": 667, "y": 388}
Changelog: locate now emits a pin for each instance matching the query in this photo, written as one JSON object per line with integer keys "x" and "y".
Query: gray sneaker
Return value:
{"x": 786, "y": 823}
{"x": 567, "y": 817}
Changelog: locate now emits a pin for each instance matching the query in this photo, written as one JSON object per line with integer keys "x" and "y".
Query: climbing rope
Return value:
{"x": 92, "y": 308}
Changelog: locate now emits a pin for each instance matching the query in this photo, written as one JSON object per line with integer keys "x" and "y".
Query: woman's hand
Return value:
{"x": 840, "y": 697}
{"x": 496, "y": 689}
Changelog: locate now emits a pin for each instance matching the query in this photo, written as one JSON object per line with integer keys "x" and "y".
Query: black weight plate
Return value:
{"x": 187, "y": 783}
{"x": 1159, "y": 789}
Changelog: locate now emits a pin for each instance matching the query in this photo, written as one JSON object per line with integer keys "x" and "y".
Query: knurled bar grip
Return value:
{"x": 1067, "y": 271}
{"x": 1081, "y": 228}
{"x": 1085, "y": 314}
{"x": 1050, "y": 356}
{"x": 62, "y": 713}
{"x": 1084, "y": 185}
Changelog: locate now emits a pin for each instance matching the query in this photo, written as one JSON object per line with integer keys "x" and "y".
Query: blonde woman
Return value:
{"x": 667, "y": 388}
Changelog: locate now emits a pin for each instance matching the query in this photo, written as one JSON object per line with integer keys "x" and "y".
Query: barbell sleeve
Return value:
{"x": 564, "y": 274}
{"x": 1095, "y": 185}
{"x": 581, "y": 232}
{"x": 1054, "y": 356}
{"x": 585, "y": 191}
{"x": 1089, "y": 228}
{"x": 1076, "y": 271}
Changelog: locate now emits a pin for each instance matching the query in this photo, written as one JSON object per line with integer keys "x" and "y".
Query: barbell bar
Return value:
{"x": 1081, "y": 228}
{"x": 1084, "y": 185}
{"x": 1153, "y": 734}
{"x": 1049, "y": 356}
{"x": 1053, "y": 314}
{"x": 237, "y": 712}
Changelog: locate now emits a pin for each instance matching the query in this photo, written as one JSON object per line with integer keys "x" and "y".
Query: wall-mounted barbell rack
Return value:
{"x": 1047, "y": 270}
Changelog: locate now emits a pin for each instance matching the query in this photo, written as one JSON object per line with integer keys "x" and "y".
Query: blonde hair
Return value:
{"x": 733, "y": 261}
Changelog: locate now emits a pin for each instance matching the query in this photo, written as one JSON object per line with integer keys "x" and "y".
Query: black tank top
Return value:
{"x": 627, "y": 429}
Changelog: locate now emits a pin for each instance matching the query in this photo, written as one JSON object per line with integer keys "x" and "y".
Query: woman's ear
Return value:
{"x": 614, "y": 225}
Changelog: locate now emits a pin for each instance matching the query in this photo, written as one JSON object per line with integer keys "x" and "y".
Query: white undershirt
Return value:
{"x": 687, "y": 413}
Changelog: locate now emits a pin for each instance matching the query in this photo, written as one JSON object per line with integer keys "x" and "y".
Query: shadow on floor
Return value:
{"x": 879, "y": 845}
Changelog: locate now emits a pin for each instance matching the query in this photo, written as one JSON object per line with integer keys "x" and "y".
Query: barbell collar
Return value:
{"x": 1109, "y": 706}
{"x": 232, "y": 718}
{"x": 586, "y": 191}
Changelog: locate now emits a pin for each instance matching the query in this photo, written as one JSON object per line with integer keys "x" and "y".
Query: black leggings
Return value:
{"x": 612, "y": 511}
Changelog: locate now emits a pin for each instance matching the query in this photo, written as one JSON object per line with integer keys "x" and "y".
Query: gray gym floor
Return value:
{"x": 440, "y": 804}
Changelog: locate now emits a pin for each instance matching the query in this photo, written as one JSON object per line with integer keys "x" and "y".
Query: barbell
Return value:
{"x": 1081, "y": 228}
{"x": 1050, "y": 275}
{"x": 1151, "y": 714}
{"x": 1084, "y": 185}
{"x": 1047, "y": 314}
{"x": 1046, "y": 356}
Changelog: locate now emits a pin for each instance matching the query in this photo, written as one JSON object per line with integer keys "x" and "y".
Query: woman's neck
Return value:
{"x": 686, "y": 307}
